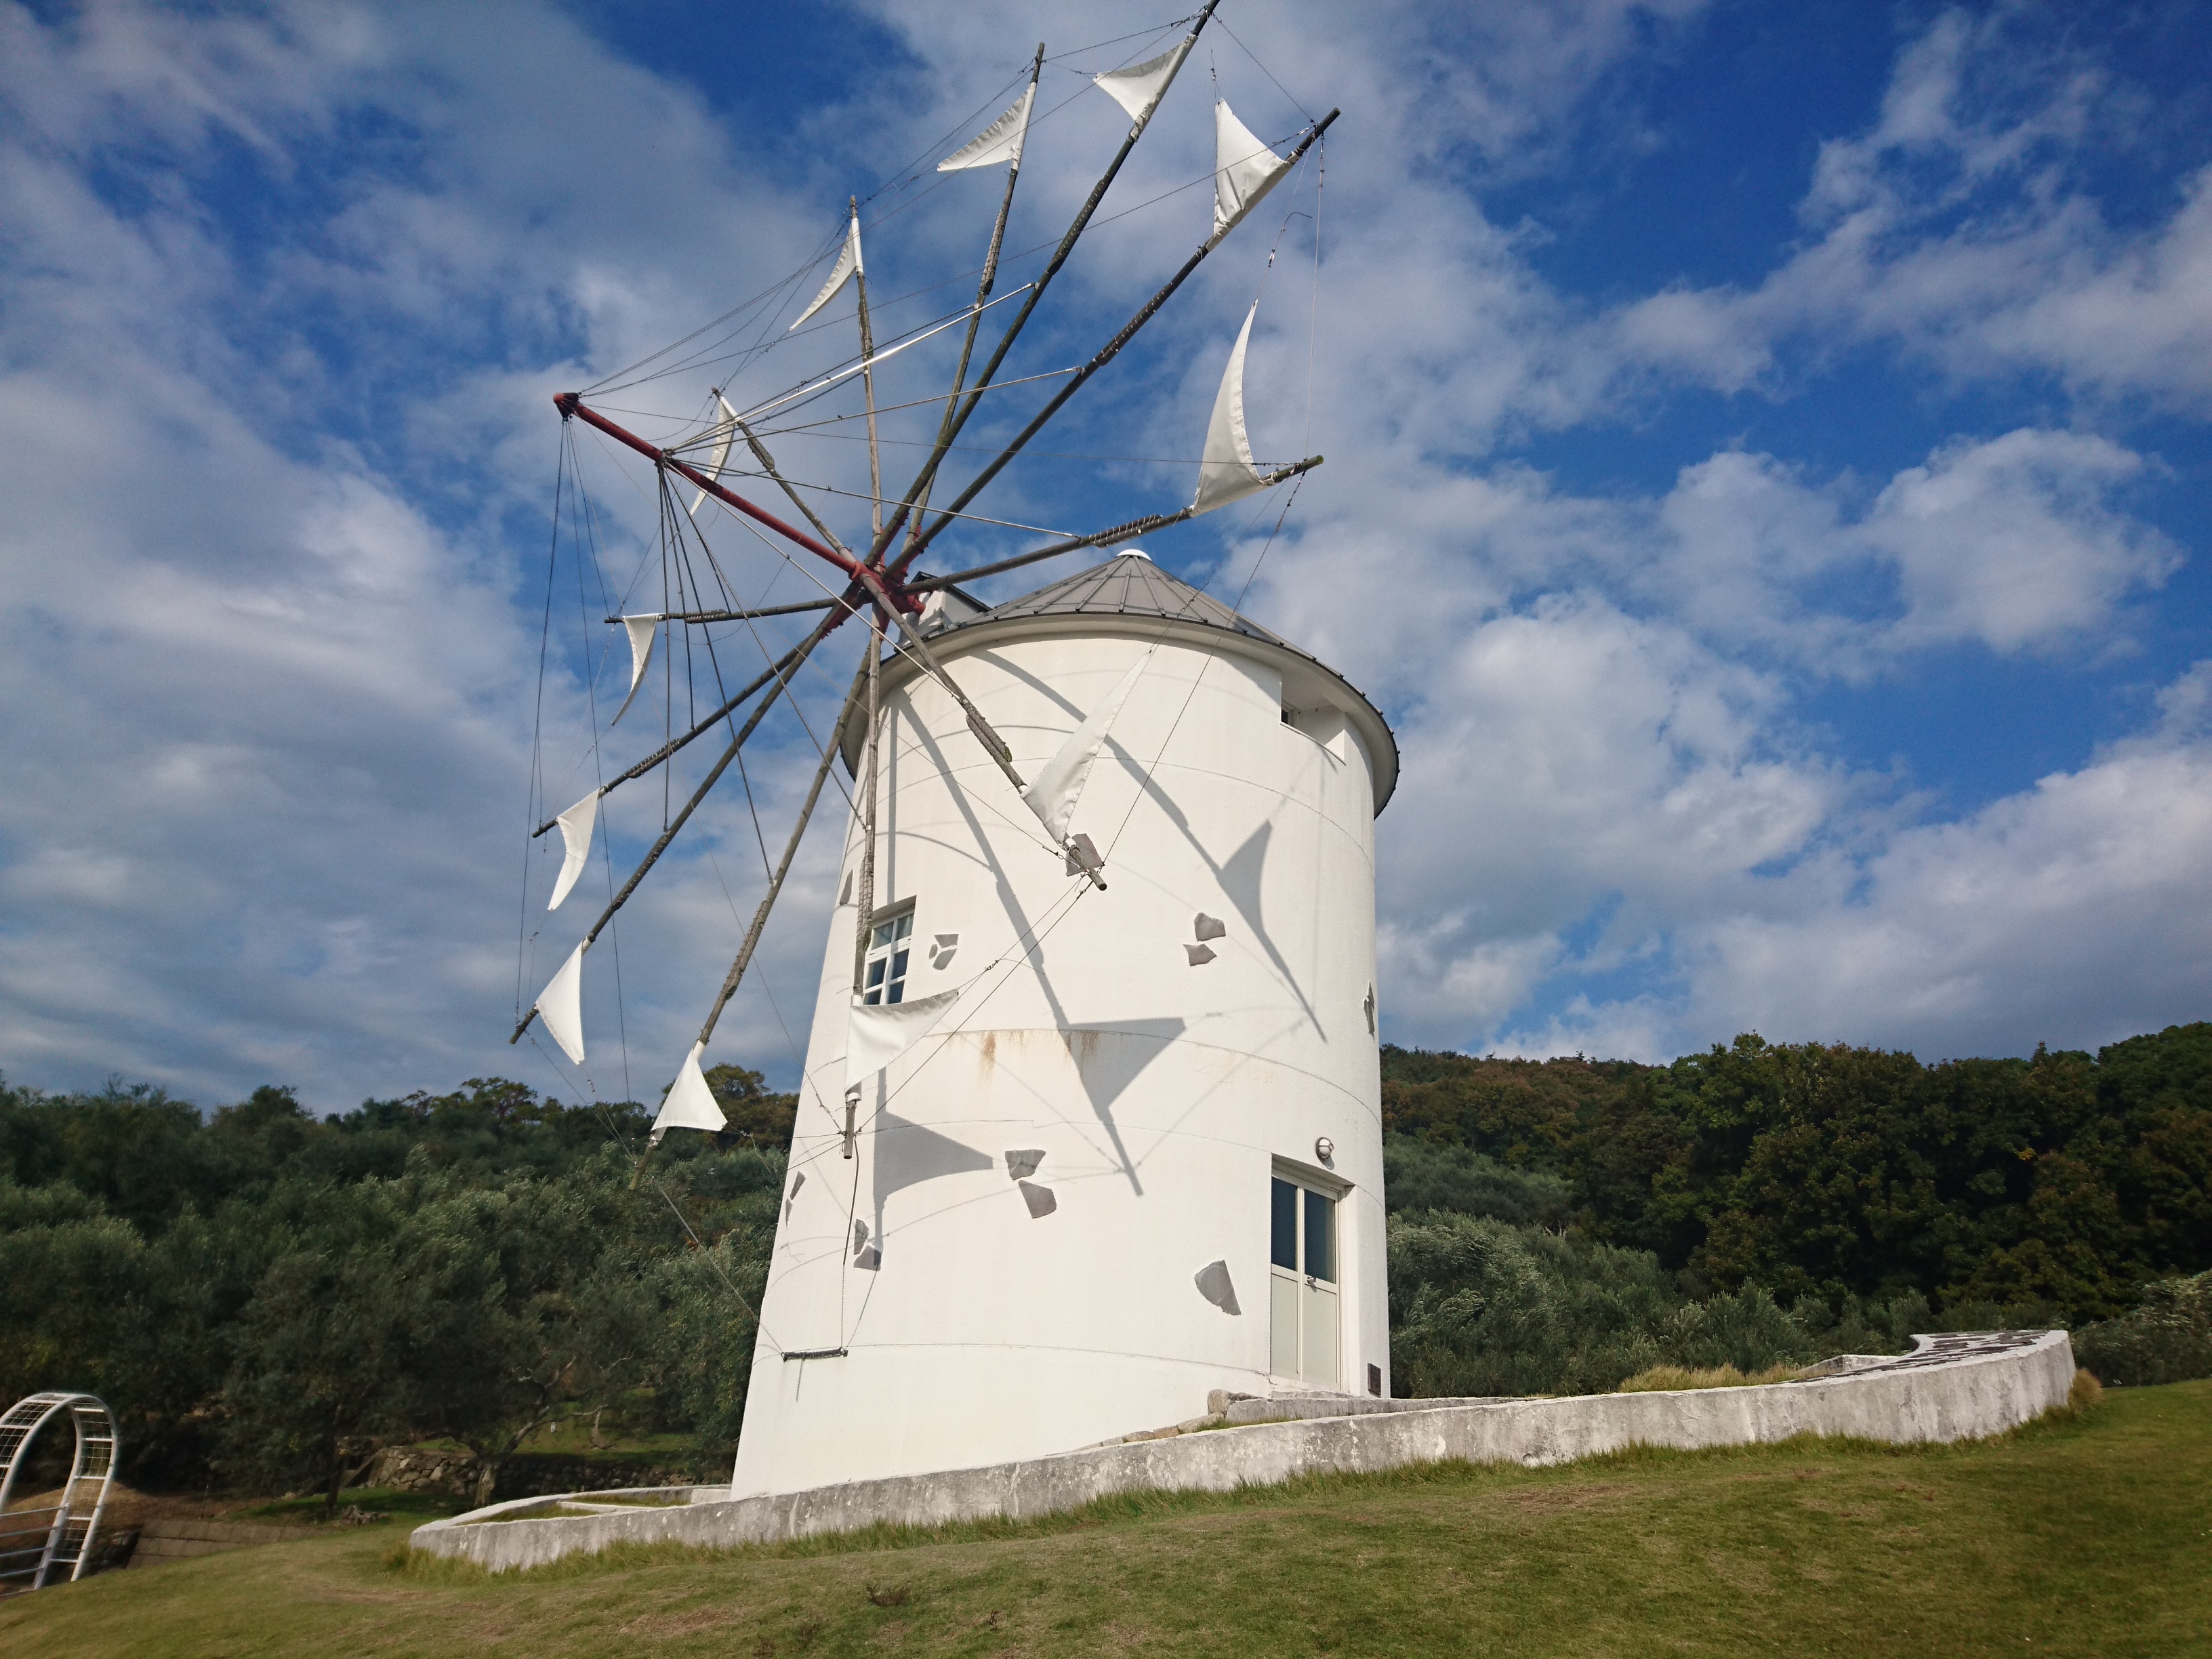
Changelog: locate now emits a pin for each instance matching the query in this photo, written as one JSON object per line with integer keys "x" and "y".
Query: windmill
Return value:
{"x": 1088, "y": 1122}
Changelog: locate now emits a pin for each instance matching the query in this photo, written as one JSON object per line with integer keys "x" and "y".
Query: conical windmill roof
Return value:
{"x": 1130, "y": 594}
{"x": 1128, "y": 584}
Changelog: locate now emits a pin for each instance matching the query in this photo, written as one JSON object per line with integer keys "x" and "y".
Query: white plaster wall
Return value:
{"x": 1159, "y": 1092}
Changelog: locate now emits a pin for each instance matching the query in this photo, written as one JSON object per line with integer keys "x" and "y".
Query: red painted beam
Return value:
{"x": 571, "y": 404}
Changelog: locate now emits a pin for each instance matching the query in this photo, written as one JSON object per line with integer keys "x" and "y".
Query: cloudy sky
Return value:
{"x": 1767, "y": 490}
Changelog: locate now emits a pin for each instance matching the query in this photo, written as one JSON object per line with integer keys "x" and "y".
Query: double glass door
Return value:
{"x": 1303, "y": 1283}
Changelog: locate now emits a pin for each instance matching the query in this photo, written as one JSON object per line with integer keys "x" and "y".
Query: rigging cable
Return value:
{"x": 762, "y": 644}
{"x": 615, "y": 382}
{"x": 614, "y": 1133}
{"x": 1052, "y": 921}
{"x": 898, "y": 178}
{"x": 1143, "y": 792}
{"x": 536, "y": 803}
{"x": 598, "y": 767}
{"x": 901, "y": 649}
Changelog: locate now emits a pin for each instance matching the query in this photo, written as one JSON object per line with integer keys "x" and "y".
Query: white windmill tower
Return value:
{"x": 1112, "y": 1148}
{"x": 1090, "y": 1123}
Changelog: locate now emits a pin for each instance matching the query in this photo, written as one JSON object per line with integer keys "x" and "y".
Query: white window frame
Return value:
{"x": 899, "y": 919}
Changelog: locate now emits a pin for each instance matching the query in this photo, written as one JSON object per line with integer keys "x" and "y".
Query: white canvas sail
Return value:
{"x": 576, "y": 844}
{"x": 881, "y": 1033}
{"x": 642, "y": 631}
{"x": 1000, "y": 142}
{"x": 725, "y": 436}
{"x": 1059, "y": 785}
{"x": 561, "y": 1006}
{"x": 1137, "y": 90}
{"x": 689, "y": 1104}
{"x": 1228, "y": 473}
{"x": 848, "y": 261}
{"x": 1244, "y": 169}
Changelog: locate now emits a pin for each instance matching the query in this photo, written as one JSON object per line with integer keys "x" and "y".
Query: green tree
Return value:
{"x": 320, "y": 1383}
{"x": 757, "y": 1115}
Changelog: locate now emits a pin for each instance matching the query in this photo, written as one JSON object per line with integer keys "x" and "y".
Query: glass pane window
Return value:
{"x": 884, "y": 980}
{"x": 1283, "y": 1249}
{"x": 1321, "y": 1237}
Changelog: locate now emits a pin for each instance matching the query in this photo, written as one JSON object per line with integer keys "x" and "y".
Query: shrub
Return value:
{"x": 1661, "y": 1378}
{"x": 1418, "y": 1175}
{"x": 1488, "y": 1307}
{"x": 2168, "y": 1338}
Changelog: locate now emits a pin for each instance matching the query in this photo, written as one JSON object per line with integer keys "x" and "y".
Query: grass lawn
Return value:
{"x": 2087, "y": 1535}
{"x": 413, "y": 1508}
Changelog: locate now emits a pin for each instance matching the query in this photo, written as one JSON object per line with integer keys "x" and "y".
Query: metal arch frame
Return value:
{"x": 69, "y": 1539}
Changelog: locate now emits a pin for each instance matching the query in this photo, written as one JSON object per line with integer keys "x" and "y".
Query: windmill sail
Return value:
{"x": 725, "y": 436}
{"x": 999, "y": 141}
{"x": 690, "y": 1103}
{"x": 880, "y": 1035}
{"x": 1228, "y": 473}
{"x": 1137, "y": 90}
{"x": 561, "y": 1005}
{"x": 1056, "y": 788}
{"x": 1244, "y": 169}
{"x": 576, "y": 844}
{"x": 848, "y": 261}
{"x": 641, "y": 630}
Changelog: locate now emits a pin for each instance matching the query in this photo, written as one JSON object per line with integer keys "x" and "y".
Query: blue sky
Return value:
{"x": 1767, "y": 490}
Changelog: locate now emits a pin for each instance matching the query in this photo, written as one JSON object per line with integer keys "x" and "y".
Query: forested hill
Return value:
{"x": 267, "y": 1296}
{"x": 2064, "y": 1183}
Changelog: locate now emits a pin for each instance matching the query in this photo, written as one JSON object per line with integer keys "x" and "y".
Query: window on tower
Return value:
{"x": 884, "y": 980}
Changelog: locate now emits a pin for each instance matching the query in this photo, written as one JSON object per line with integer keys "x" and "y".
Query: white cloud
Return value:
{"x": 2012, "y": 543}
{"x": 2076, "y": 912}
{"x": 1586, "y": 789}
{"x": 1958, "y": 229}
{"x": 2079, "y": 911}
{"x": 1567, "y": 762}
{"x": 270, "y": 690}
{"x": 268, "y": 652}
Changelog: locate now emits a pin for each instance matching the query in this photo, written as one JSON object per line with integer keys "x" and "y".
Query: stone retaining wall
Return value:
{"x": 411, "y": 1468}
{"x": 1950, "y": 1388}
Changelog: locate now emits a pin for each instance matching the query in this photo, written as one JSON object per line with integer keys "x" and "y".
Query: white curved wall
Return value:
{"x": 1954, "y": 1387}
{"x": 1161, "y": 1094}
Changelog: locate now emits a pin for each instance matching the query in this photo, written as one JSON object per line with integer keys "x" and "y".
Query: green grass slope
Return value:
{"x": 2082, "y": 1535}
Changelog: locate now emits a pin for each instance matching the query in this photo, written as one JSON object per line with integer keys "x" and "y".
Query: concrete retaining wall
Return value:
{"x": 1950, "y": 1388}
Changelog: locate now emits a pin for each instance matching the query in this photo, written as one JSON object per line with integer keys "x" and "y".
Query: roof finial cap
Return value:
{"x": 1133, "y": 553}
